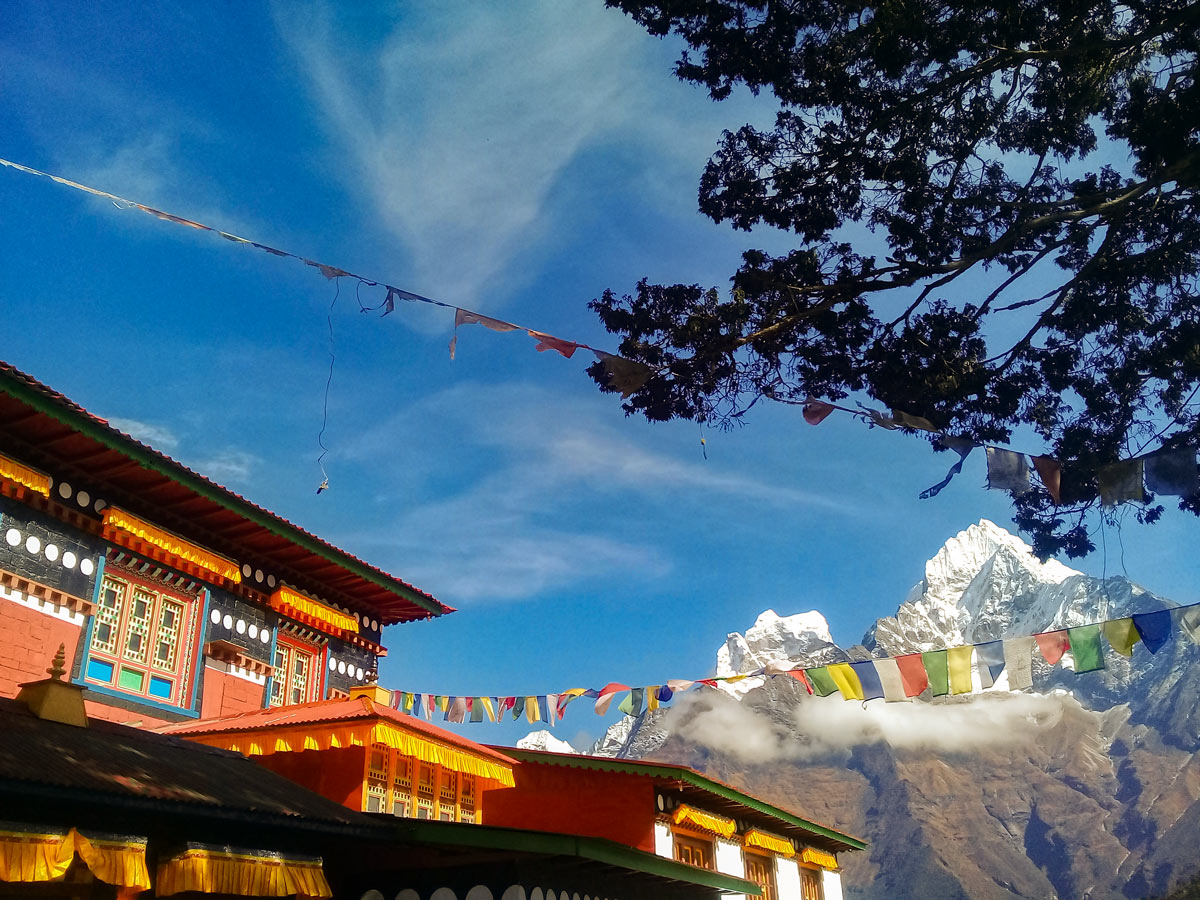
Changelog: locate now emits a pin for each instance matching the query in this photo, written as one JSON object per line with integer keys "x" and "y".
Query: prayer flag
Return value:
{"x": 1018, "y": 662}
{"x": 1050, "y": 471}
{"x": 891, "y": 680}
{"x": 1086, "y": 648}
{"x": 872, "y": 688}
{"x": 912, "y": 673}
{"x": 1189, "y": 621}
{"x": 632, "y": 704}
{"x": 678, "y": 684}
{"x": 815, "y": 411}
{"x": 1121, "y": 482}
{"x": 549, "y": 342}
{"x": 937, "y": 667}
{"x": 822, "y": 681}
{"x": 458, "y": 710}
{"x": 466, "y": 317}
{"x": 1172, "y": 472}
{"x": 799, "y": 675}
{"x": 922, "y": 424}
{"x": 489, "y": 706}
{"x": 533, "y": 709}
{"x": 1155, "y": 628}
{"x": 543, "y": 708}
{"x": 963, "y": 448}
{"x": 958, "y": 663}
{"x": 989, "y": 658}
{"x": 1053, "y": 645}
{"x": 621, "y": 374}
{"x": 518, "y": 707}
{"x": 665, "y": 693}
{"x": 477, "y": 711}
{"x": 1121, "y": 635}
{"x": 846, "y": 680}
{"x": 652, "y": 698}
{"x": 1007, "y": 471}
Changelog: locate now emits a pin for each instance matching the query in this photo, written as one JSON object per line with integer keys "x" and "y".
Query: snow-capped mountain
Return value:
{"x": 1089, "y": 787}
{"x": 544, "y": 740}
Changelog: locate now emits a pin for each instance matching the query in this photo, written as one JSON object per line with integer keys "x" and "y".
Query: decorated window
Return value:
{"x": 297, "y": 673}
{"x": 761, "y": 870}
{"x": 377, "y": 778}
{"x": 402, "y": 787}
{"x": 695, "y": 851}
{"x": 142, "y": 641}
{"x": 810, "y": 884}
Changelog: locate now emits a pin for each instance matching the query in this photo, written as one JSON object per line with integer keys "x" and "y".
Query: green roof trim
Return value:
{"x": 599, "y": 850}
{"x": 695, "y": 779}
{"x": 169, "y": 468}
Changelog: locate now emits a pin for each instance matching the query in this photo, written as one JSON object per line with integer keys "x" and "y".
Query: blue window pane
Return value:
{"x": 160, "y": 687}
{"x": 98, "y": 670}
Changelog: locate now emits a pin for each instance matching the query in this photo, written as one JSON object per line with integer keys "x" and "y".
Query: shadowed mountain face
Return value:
{"x": 1088, "y": 787}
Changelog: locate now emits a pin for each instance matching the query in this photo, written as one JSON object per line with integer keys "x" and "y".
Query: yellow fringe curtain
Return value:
{"x": 285, "y": 597}
{"x": 45, "y": 855}
{"x": 24, "y": 476}
{"x": 405, "y": 742}
{"x": 708, "y": 821}
{"x": 227, "y": 871}
{"x": 756, "y": 838}
{"x": 164, "y": 540}
{"x": 819, "y": 858}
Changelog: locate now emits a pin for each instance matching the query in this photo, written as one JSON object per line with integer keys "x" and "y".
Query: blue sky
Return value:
{"x": 514, "y": 159}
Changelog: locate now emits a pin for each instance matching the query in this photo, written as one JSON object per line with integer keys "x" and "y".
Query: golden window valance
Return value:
{"x": 818, "y": 858}
{"x": 21, "y": 474}
{"x": 764, "y": 841}
{"x": 708, "y": 821}
{"x": 244, "y": 873}
{"x": 131, "y": 525}
{"x": 32, "y": 853}
{"x": 349, "y": 734}
{"x": 297, "y": 605}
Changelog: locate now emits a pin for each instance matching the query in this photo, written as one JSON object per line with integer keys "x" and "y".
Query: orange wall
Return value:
{"x": 336, "y": 774}
{"x": 574, "y": 801}
{"x": 28, "y": 642}
{"x": 226, "y": 694}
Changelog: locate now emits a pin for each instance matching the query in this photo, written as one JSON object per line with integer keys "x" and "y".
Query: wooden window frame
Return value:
{"x": 177, "y": 676}
{"x": 392, "y": 784}
{"x": 817, "y": 892}
{"x": 292, "y": 647}
{"x": 770, "y": 889}
{"x": 690, "y": 841}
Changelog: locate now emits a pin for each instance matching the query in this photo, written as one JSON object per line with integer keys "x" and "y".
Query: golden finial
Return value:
{"x": 56, "y": 669}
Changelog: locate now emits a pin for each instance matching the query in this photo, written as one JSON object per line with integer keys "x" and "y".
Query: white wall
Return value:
{"x": 832, "y": 884}
{"x": 729, "y": 862}
{"x": 787, "y": 879}
{"x": 664, "y": 844}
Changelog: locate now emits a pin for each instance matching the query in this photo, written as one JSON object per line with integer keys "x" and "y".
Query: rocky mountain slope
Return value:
{"x": 1088, "y": 787}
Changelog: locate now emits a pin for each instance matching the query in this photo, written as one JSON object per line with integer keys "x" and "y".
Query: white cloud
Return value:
{"x": 159, "y": 437}
{"x": 227, "y": 467}
{"x": 829, "y": 726}
{"x": 460, "y": 128}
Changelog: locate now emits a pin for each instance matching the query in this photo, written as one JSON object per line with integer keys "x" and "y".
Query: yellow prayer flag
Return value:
{"x": 958, "y": 660}
{"x": 531, "y": 710}
{"x": 846, "y": 680}
{"x": 652, "y": 697}
{"x": 1121, "y": 635}
{"x": 487, "y": 707}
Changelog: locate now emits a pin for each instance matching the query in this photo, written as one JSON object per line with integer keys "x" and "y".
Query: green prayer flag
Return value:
{"x": 1086, "y": 648}
{"x": 937, "y": 667}
{"x": 822, "y": 681}
{"x": 1121, "y": 635}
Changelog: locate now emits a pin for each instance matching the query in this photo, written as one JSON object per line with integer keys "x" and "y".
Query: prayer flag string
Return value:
{"x": 965, "y": 669}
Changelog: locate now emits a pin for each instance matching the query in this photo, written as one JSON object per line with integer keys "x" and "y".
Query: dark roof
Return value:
{"x": 116, "y": 764}
{"x": 49, "y": 431}
{"x": 704, "y": 793}
{"x": 321, "y": 712}
{"x": 585, "y": 850}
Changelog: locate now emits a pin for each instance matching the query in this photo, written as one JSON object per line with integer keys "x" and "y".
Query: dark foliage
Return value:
{"x": 1049, "y": 151}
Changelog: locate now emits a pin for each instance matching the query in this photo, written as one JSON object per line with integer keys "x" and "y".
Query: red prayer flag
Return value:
{"x": 1053, "y": 645}
{"x": 799, "y": 675}
{"x": 549, "y": 342}
{"x": 1050, "y": 471}
{"x": 912, "y": 674}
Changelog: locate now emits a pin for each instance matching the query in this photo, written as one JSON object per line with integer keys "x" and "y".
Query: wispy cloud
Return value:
{"x": 537, "y": 492}
{"x": 229, "y": 467}
{"x": 459, "y": 129}
{"x": 160, "y": 437}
